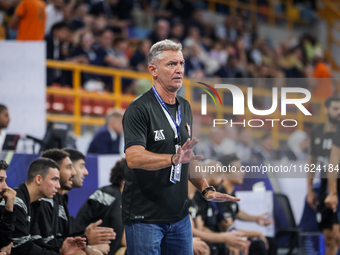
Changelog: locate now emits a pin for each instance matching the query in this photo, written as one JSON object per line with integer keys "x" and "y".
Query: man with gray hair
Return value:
{"x": 158, "y": 148}
{"x": 108, "y": 139}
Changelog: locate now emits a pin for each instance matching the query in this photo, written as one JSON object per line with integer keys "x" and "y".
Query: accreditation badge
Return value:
{"x": 172, "y": 175}
{"x": 177, "y": 170}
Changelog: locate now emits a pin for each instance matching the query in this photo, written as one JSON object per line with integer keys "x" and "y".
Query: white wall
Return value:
{"x": 23, "y": 86}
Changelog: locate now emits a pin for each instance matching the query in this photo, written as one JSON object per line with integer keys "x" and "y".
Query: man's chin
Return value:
{"x": 66, "y": 187}
{"x": 77, "y": 185}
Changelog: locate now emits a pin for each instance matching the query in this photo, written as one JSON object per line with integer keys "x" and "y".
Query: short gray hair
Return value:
{"x": 158, "y": 48}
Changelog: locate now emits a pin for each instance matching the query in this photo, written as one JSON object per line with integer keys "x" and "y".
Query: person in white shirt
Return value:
{"x": 4, "y": 121}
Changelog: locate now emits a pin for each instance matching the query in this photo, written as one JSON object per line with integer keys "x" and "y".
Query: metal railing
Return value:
{"x": 77, "y": 119}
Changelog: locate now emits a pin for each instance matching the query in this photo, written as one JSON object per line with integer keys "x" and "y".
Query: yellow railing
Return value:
{"x": 118, "y": 98}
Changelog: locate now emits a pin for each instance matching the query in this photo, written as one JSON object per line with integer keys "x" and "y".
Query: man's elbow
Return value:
{"x": 131, "y": 163}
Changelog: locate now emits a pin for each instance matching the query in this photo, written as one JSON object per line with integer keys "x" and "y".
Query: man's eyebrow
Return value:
{"x": 176, "y": 61}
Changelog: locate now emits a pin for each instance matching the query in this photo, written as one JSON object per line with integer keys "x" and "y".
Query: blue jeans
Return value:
{"x": 159, "y": 239}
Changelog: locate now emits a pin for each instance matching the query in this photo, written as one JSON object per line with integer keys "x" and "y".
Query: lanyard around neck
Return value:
{"x": 175, "y": 124}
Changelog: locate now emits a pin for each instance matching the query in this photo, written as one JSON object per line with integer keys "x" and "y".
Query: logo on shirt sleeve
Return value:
{"x": 159, "y": 135}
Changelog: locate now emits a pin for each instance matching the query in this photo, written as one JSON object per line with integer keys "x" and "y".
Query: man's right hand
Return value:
{"x": 72, "y": 244}
{"x": 184, "y": 153}
{"x": 99, "y": 235}
{"x": 331, "y": 201}
{"x": 312, "y": 199}
{"x": 235, "y": 239}
{"x": 200, "y": 247}
{"x": 7, "y": 249}
{"x": 9, "y": 196}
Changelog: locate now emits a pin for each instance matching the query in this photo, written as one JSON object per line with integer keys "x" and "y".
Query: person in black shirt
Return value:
{"x": 55, "y": 223}
{"x": 231, "y": 211}
{"x": 321, "y": 144}
{"x": 7, "y": 216}
{"x": 105, "y": 203}
{"x": 197, "y": 213}
{"x": 158, "y": 149}
{"x": 42, "y": 182}
{"x": 332, "y": 199}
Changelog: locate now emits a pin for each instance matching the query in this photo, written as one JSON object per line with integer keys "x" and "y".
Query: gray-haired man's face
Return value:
{"x": 170, "y": 70}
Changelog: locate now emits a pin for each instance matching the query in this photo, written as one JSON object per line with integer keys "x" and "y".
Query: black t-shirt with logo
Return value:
{"x": 149, "y": 196}
{"x": 321, "y": 144}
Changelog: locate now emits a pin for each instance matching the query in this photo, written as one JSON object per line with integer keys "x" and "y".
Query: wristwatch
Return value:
{"x": 207, "y": 189}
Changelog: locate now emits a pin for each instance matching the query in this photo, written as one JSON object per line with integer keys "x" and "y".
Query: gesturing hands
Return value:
{"x": 220, "y": 197}
{"x": 184, "y": 153}
{"x": 72, "y": 244}
{"x": 99, "y": 235}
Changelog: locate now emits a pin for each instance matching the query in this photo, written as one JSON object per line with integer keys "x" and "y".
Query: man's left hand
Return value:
{"x": 263, "y": 220}
{"x": 220, "y": 197}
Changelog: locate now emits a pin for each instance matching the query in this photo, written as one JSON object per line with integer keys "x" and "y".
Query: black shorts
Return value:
{"x": 325, "y": 217}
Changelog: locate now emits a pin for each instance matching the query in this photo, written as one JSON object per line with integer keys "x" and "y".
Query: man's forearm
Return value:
{"x": 245, "y": 216}
{"x": 140, "y": 158}
{"x": 310, "y": 175}
{"x": 332, "y": 175}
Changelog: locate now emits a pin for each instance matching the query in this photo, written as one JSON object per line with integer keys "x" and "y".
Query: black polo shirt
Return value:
{"x": 149, "y": 196}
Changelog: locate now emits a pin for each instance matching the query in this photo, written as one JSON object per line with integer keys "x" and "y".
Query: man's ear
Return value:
{"x": 153, "y": 70}
{"x": 38, "y": 179}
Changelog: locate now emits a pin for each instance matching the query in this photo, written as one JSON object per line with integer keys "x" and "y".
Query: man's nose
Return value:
{"x": 73, "y": 172}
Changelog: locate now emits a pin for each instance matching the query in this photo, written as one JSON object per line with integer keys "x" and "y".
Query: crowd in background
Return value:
{"x": 119, "y": 34}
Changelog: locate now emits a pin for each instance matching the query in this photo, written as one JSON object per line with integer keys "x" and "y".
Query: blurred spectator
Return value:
{"x": 218, "y": 53}
{"x": 58, "y": 48}
{"x": 179, "y": 10}
{"x": 119, "y": 47}
{"x": 323, "y": 87}
{"x": 298, "y": 142}
{"x": 106, "y": 54}
{"x": 197, "y": 20}
{"x": 264, "y": 150}
{"x": 78, "y": 16}
{"x": 117, "y": 13}
{"x": 310, "y": 45}
{"x": 29, "y": 18}
{"x": 212, "y": 149}
{"x": 85, "y": 52}
{"x": 177, "y": 32}
{"x": 161, "y": 31}
{"x": 194, "y": 68}
{"x": 4, "y": 121}
{"x": 109, "y": 138}
{"x": 6, "y": 5}
{"x": 226, "y": 31}
{"x": 54, "y": 12}
{"x": 140, "y": 56}
{"x": 228, "y": 144}
{"x": 244, "y": 145}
